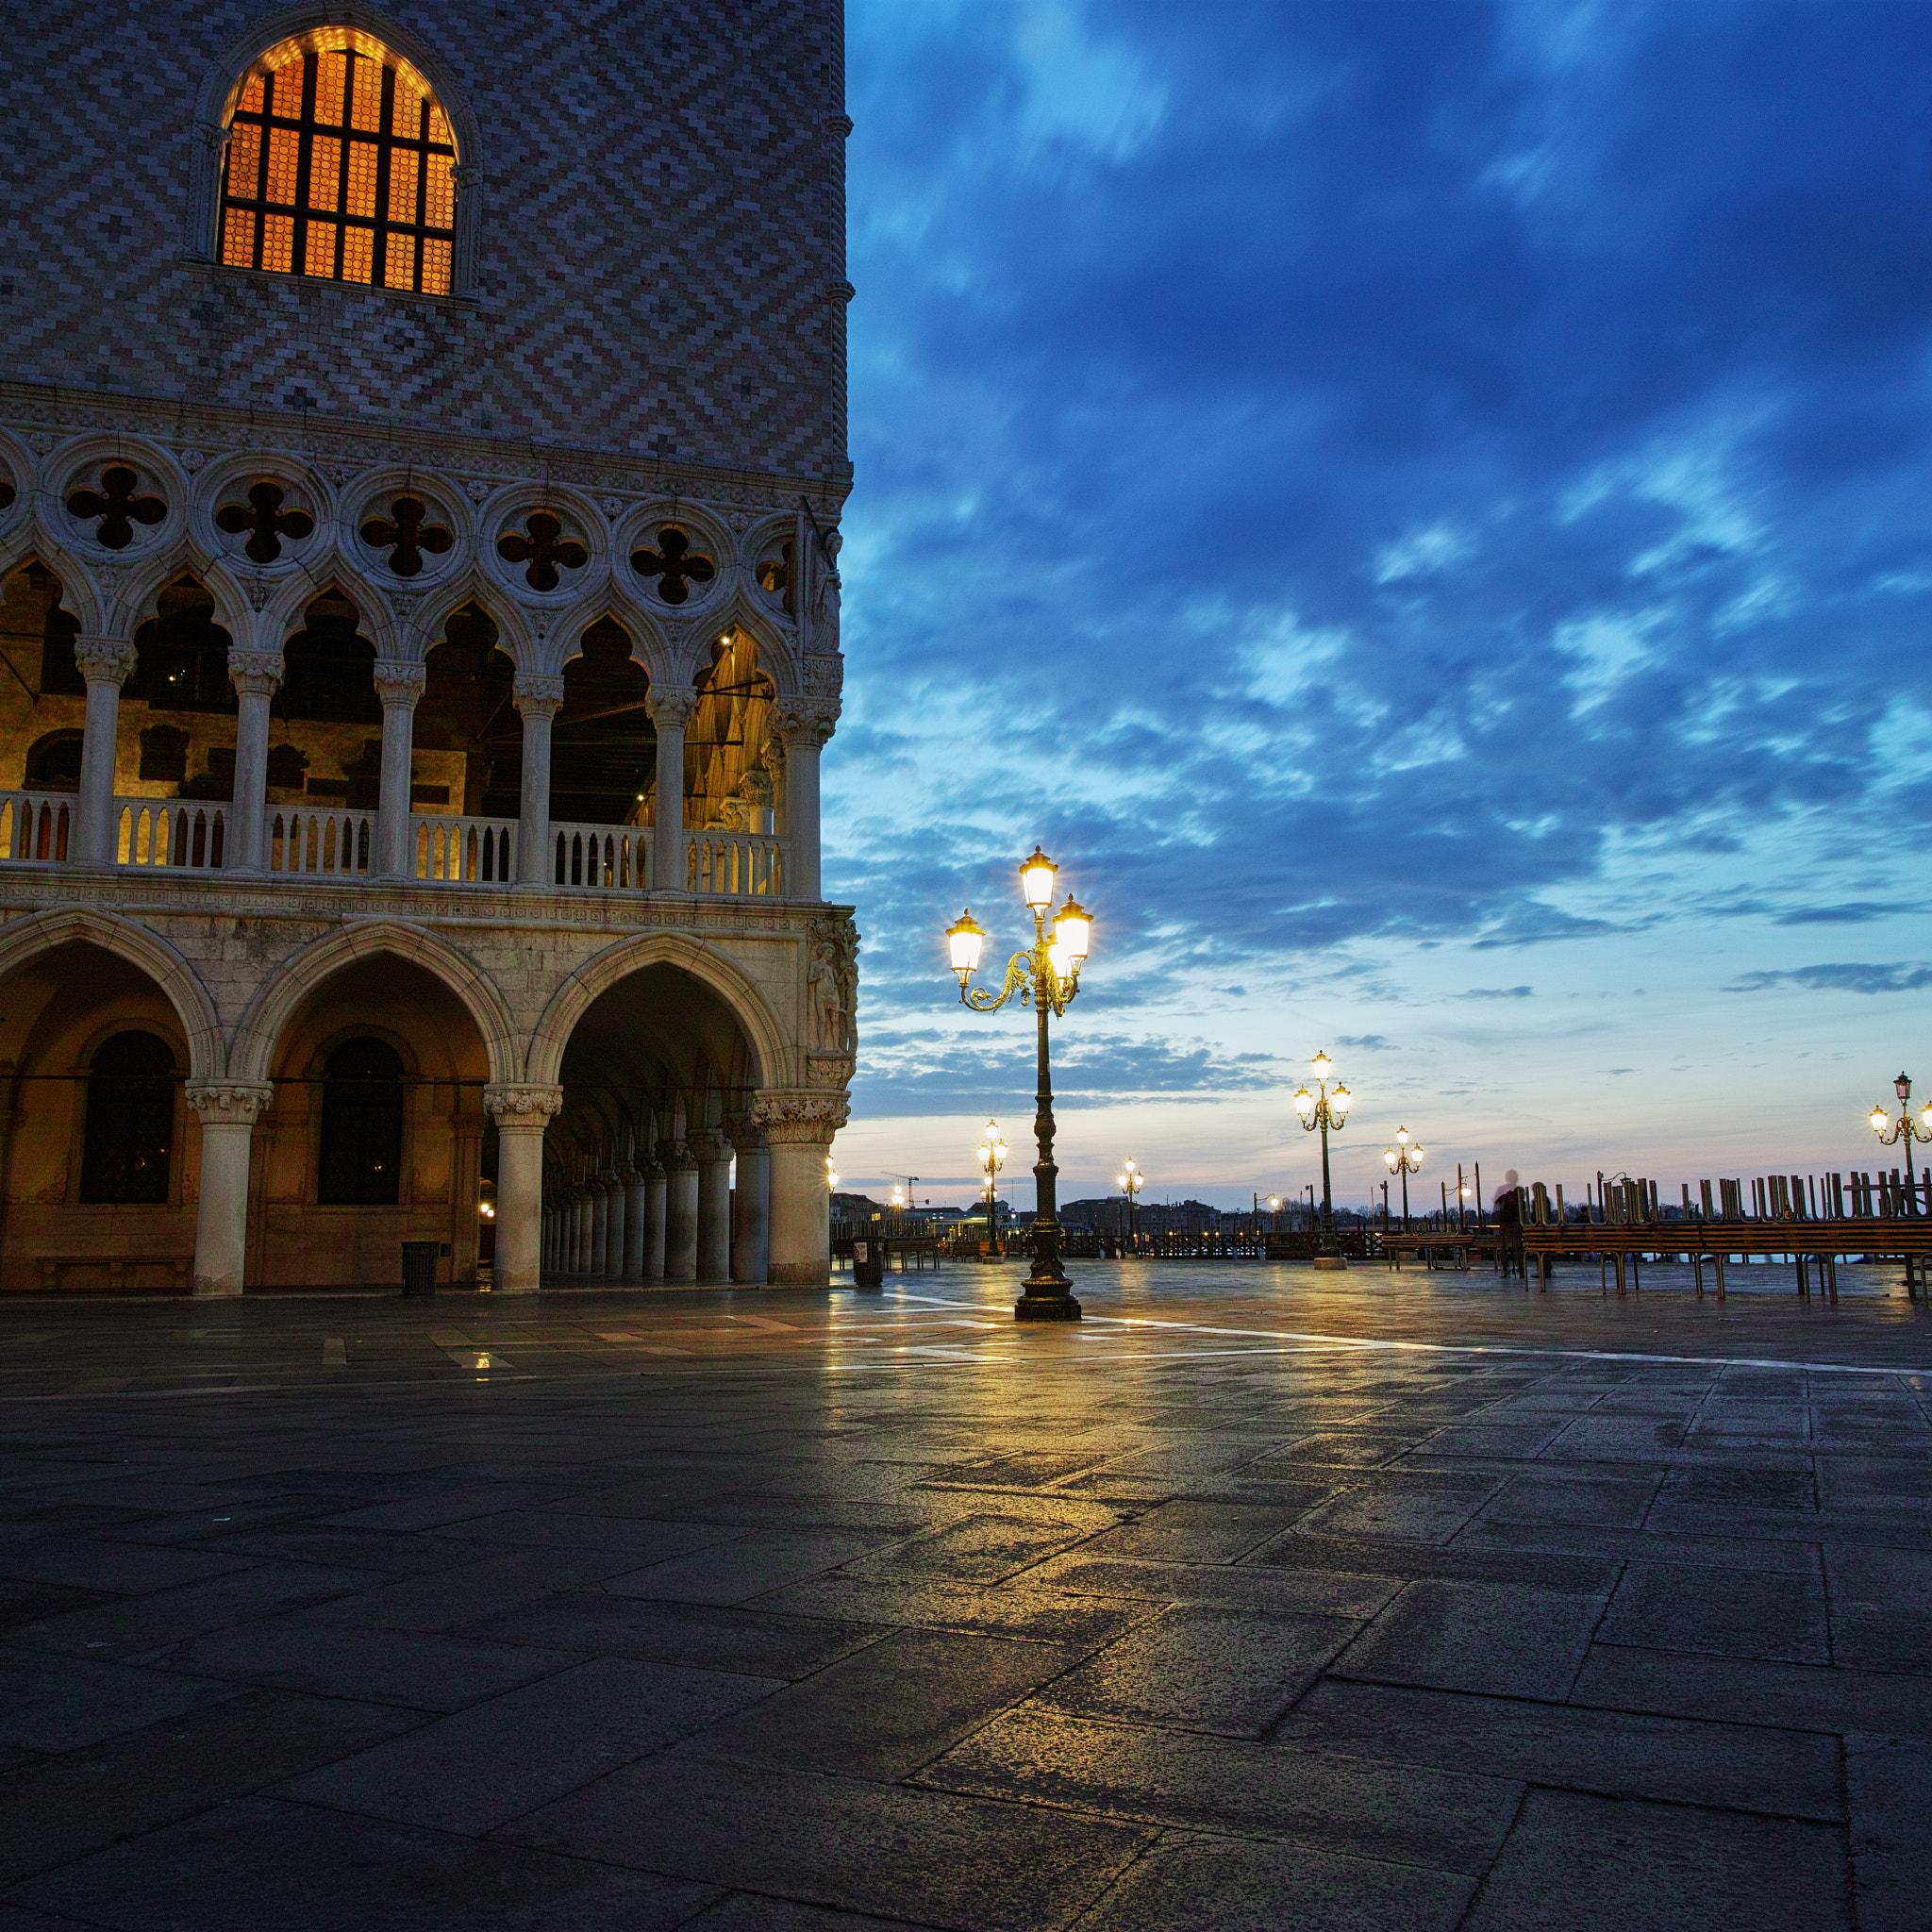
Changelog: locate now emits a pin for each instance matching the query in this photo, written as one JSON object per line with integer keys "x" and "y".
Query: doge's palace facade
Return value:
{"x": 422, "y": 448}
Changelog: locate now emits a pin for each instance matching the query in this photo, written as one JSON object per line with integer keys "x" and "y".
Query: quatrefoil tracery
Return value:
{"x": 116, "y": 506}
{"x": 406, "y": 534}
{"x": 675, "y": 564}
{"x": 541, "y": 545}
{"x": 266, "y": 521}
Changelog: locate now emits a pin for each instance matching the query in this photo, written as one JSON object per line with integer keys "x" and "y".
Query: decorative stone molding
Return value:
{"x": 524, "y": 1108}
{"x": 674, "y": 1158}
{"x": 671, "y": 705}
{"x": 709, "y": 1144}
{"x": 828, "y": 1069}
{"x": 255, "y": 673}
{"x": 229, "y": 1103}
{"x": 744, "y": 1133}
{"x": 105, "y": 659}
{"x": 398, "y": 683}
{"x": 822, "y": 675}
{"x": 802, "y": 1119}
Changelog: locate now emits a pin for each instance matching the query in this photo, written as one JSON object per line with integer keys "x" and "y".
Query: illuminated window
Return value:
{"x": 340, "y": 166}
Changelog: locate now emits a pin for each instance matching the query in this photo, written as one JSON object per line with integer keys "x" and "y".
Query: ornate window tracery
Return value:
{"x": 342, "y": 166}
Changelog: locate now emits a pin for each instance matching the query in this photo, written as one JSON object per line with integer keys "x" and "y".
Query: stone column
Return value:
{"x": 105, "y": 663}
{"x": 547, "y": 1259}
{"x": 600, "y": 1225}
{"x": 227, "y": 1112}
{"x": 633, "y": 1224}
{"x": 713, "y": 1154}
{"x": 521, "y": 1114}
{"x": 580, "y": 1252}
{"x": 539, "y": 699}
{"x": 256, "y": 676}
{"x": 656, "y": 1190}
{"x": 798, "y": 1129}
{"x": 804, "y": 724}
{"x": 616, "y": 1232}
{"x": 750, "y": 1203}
{"x": 399, "y": 685}
{"x": 680, "y": 1212}
{"x": 670, "y": 706}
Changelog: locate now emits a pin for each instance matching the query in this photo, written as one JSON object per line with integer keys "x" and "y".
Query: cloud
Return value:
{"x": 1837, "y": 978}
{"x": 1854, "y": 913}
{"x": 1366, "y": 1042}
{"x": 1496, "y": 992}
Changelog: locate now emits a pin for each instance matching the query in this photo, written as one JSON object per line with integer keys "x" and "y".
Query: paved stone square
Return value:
{"x": 1259, "y": 1599}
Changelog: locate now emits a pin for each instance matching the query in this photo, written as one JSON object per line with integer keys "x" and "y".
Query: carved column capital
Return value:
{"x": 745, "y": 1132}
{"x": 255, "y": 673}
{"x": 399, "y": 683}
{"x": 674, "y": 1158}
{"x": 103, "y": 660}
{"x": 805, "y": 722}
{"x": 709, "y": 1144}
{"x": 802, "y": 1119}
{"x": 537, "y": 696}
{"x": 521, "y": 1109}
{"x": 671, "y": 705}
{"x": 229, "y": 1103}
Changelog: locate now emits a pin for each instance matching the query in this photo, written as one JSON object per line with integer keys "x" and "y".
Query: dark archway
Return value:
{"x": 604, "y": 747}
{"x": 468, "y": 707}
{"x": 181, "y": 669}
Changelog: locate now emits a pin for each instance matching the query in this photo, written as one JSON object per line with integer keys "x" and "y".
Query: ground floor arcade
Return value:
{"x": 269, "y": 1093}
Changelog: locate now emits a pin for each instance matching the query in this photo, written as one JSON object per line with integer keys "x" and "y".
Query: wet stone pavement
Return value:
{"x": 1259, "y": 1599}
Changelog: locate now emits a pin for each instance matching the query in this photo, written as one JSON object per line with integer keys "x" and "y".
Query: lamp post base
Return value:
{"x": 1331, "y": 1261}
{"x": 1050, "y": 1305}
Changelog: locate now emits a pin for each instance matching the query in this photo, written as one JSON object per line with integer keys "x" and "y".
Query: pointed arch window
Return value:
{"x": 341, "y": 165}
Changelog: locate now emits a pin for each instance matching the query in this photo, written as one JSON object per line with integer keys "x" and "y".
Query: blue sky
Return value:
{"x": 1426, "y": 511}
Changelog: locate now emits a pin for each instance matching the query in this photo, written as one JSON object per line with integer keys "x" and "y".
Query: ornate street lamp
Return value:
{"x": 1891, "y": 1132}
{"x": 831, "y": 1177}
{"x": 993, "y": 1157}
{"x": 1405, "y": 1158}
{"x": 1130, "y": 1180}
{"x": 1046, "y": 975}
{"x": 1324, "y": 1108}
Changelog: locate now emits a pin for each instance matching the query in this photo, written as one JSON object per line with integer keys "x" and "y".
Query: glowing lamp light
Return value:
{"x": 1304, "y": 1103}
{"x": 1339, "y": 1104}
{"x": 1035, "y": 880}
{"x": 1059, "y": 960}
{"x": 1880, "y": 1120}
{"x": 1390, "y": 1158}
{"x": 831, "y": 1176}
{"x": 1321, "y": 1065}
{"x": 1072, "y": 927}
{"x": 964, "y": 938}
{"x": 1401, "y": 1137}
{"x": 1275, "y": 1203}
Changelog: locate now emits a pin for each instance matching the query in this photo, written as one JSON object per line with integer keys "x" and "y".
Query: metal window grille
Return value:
{"x": 340, "y": 167}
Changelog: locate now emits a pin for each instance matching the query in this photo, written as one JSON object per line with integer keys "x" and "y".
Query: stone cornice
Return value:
{"x": 328, "y": 440}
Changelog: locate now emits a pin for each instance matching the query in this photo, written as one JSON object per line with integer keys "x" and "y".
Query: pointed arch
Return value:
{"x": 710, "y": 968}
{"x": 78, "y": 595}
{"x": 286, "y": 612}
{"x": 608, "y": 599}
{"x": 140, "y": 601}
{"x": 23, "y": 941}
{"x": 260, "y": 1031}
{"x": 515, "y": 637}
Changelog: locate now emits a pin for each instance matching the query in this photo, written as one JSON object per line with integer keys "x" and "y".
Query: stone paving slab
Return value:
{"x": 1259, "y": 1599}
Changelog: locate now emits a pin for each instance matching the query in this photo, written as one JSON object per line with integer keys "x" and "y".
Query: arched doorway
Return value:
{"x": 659, "y": 1076}
{"x": 376, "y": 1134}
{"x": 98, "y": 1164}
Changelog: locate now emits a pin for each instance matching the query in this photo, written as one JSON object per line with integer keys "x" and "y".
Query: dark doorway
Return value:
{"x": 362, "y": 1126}
{"x": 130, "y": 1120}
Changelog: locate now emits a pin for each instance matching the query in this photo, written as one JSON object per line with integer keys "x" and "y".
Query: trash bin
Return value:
{"x": 868, "y": 1264}
{"x": 419, "y": 1266}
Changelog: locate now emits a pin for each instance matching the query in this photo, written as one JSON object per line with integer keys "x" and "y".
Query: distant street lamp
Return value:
{"x": 1405, "y": 1158}
{"x": 1275, "y": 1209}
{"x": 1891, "y": 1132}
{"x": 831, "y": 1177}
{"x": 1130, "y": 1180}
{"x": 993, "y": 1157}
{"x": 1324, "y": 1108}
{"x": 1048, "y": 976}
